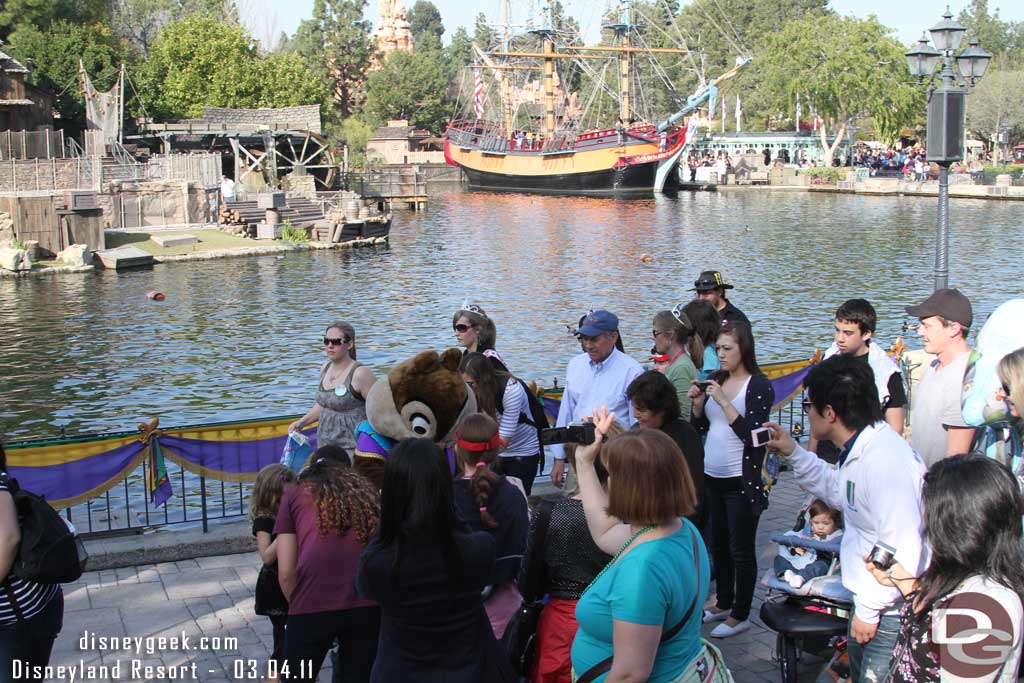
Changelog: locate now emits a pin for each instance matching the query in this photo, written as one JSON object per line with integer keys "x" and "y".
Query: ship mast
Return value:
{"x": 548, "y": 35}
{"x": 506, "y": 95}
{"x": 624, "y": 29}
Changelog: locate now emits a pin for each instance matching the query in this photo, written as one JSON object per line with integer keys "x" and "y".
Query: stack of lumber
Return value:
{"x": 239, "y": 216}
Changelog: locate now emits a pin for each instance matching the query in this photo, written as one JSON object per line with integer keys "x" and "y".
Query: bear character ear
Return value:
{"x": 451, "y": 359}
{"x": 422, "y": 363}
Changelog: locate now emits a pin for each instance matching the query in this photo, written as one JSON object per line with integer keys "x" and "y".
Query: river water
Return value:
{"x": 239, "y": 338}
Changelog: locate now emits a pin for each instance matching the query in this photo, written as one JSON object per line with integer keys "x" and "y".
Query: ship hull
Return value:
{"x": 627, "y": 180}
{"x": 598, "y": 163}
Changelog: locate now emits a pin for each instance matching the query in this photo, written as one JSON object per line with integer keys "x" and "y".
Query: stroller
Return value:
{"x": 812, "y": 618}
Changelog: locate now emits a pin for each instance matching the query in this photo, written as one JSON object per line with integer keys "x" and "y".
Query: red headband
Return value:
{"x": 478, "y": 446}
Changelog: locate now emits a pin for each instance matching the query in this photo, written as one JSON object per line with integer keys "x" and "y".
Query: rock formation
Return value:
{"x": 393, "y": 32}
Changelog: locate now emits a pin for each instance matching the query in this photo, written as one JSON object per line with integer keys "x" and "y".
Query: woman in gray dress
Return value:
{"x": 341, "y": 396}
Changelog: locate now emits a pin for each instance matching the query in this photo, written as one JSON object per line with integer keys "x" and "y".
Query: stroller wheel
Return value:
{"x": 786, "y": 651}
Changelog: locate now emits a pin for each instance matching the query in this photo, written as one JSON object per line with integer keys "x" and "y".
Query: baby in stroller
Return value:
{"x": 794, "y": 564}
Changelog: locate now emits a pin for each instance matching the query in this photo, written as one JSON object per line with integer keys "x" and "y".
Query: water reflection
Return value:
{"x": 239, "y": 338}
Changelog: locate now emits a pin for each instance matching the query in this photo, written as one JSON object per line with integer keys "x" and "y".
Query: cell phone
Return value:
{"x": 761, "y": 436}
{"x": 578, "y": 432}
{"x": 703, "y": 386}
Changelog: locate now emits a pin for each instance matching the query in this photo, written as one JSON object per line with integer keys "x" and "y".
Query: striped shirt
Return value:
{"x": 31, "y": 597}
{"x": 521, "y": 437}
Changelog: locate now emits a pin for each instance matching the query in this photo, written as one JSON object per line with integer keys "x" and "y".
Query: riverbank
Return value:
{"x": 212, "y": 244}
{"x": 889, "y": 187}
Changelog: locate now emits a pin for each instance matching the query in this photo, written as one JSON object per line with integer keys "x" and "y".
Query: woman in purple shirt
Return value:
{"x": 322, "y": 527}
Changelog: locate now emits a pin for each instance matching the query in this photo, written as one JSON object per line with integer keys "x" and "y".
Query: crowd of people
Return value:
{"x": 425, "y": 577}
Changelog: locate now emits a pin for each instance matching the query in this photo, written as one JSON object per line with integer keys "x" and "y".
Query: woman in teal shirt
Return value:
{"x": 639, "y": 620}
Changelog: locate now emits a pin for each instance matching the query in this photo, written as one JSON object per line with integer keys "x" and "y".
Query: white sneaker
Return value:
{"x": 795, "y": 580}
{"x": 711, "y": 615}
{"x": 725, "y": 631}
{"x": 787, "y": 575}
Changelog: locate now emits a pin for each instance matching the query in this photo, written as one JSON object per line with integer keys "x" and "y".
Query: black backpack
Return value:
{"x": 538, "y": 418}
{"x": 50, "y": 551}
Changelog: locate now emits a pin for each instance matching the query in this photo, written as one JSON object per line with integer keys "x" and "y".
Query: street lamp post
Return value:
{"x": 851, "y": 137}
{"x": 1003, "y": 139}
{"x": 945, "y": 133}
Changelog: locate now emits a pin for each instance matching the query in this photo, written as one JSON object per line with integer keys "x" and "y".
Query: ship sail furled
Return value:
{"x": 547, "y": 150}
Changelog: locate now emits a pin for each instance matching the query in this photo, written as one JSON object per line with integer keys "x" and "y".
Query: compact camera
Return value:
{"x": 882, "y": 555}
{"x": 703, "y": 386}
{"x": 578, "y": 432}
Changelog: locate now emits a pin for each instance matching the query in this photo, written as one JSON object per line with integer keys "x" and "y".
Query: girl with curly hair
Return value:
{"x": 322, "y": 527}
{"x": 487, "y": 501}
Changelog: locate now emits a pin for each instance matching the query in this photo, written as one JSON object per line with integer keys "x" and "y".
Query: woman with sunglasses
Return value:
{"x": 706, "y": 325}
{"x": 341, "y": 396}
{"x": 674, "y": 337}
{"x": 475, "y": 332}
{"x": 503, "y": 397}
{"x": 1011, "y": 374}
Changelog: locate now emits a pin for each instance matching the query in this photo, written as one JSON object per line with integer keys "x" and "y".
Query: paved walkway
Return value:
{"x": 207, "y": 605}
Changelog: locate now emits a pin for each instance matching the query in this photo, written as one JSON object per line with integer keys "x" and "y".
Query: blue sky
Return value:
{"x": 907, "y": 17}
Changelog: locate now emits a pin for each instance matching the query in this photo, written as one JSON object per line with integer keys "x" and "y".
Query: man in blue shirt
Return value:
{"x": 595, "y": 378}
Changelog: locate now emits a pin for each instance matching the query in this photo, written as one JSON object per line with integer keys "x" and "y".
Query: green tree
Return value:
{"x": 996, "y": 101}
{"x": 336, "y": 43}
{"x": 995, "y": 35}
{"x": 43, "y": 13}
{"x": 202, "y": 61}
{"x": 459, "y": 53}
{"x": 720, "y": 30}
{"x": 55, "y": 52}
{"x": 483, "y": 35}
{"x": 426, "y": 26}
{"x": 845, "y": 68}
{"x": 409, "y": 86}
{"x": 140, "y": 21}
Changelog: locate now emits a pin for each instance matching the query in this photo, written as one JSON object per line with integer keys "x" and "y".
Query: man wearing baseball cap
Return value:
{"x": 710, "y": 287}
{"x": 937, "y": 426}
{"x": 595, "y": 378}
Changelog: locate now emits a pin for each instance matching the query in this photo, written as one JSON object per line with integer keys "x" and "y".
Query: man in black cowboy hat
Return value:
{"x": 710, "y": 287}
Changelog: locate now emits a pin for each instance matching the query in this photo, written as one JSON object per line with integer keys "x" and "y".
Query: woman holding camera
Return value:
{"x": 972, "y": 511}
{"x": 639, "y": 620}
{"x": 741, "y": 401}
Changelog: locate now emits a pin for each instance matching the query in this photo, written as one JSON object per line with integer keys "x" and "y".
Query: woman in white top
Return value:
{"x": 742, "y": 400}
{"x": 972, "y": 511}
{"x": 503, "y": 397}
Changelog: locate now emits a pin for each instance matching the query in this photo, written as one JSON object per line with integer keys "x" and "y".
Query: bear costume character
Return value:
{"x": 423, "y": 397}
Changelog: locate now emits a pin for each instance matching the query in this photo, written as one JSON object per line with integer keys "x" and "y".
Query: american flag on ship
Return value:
{"x": 478, "y": 94}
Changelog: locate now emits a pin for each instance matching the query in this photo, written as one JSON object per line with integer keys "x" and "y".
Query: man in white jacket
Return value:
{"x": 877, "y": 485}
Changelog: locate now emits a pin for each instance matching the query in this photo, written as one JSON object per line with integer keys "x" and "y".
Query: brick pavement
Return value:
{"x": 213, "y": 597}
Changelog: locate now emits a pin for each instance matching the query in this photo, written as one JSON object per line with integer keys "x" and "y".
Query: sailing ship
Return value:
{"x": 634, "y": 157}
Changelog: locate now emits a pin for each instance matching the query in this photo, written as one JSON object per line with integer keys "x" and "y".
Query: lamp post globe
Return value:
{"x": 948, "y": 33}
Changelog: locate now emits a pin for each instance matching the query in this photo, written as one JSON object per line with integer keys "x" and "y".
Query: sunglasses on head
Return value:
{"x": 332, "y": 341}
{"x": 806, "y": 405}
{"x": 462, "y": 327}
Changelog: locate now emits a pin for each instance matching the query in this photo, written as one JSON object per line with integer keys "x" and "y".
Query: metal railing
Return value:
{"x": 200, "y": 501}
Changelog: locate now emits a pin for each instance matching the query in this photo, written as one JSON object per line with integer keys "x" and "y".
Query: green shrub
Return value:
{"x": 825, "y": 175}
{"x": 292, "y": 234}
{"x": 18, "y": 244}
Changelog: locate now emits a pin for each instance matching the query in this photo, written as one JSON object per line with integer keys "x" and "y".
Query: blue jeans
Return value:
{"x": 811, "y": 571}
{"x": 870, "y": 663}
